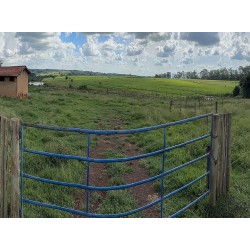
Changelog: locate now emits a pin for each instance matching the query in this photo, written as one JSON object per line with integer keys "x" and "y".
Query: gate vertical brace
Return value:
{"x": 163, "y": 170}
{"x": 87, "y": 180}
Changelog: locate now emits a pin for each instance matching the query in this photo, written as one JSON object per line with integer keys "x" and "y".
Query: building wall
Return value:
{"x": 8, "y": 88}
{"x": 18, "y": 88}
{"x": 22, "y": 84}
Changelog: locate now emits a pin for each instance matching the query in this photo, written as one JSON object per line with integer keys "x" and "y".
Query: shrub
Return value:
{"x": 236, "y": 91}
{"x": 245, "y": 85}
{"x": 83, "y": 87}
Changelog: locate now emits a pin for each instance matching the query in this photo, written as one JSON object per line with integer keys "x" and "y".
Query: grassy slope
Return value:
{"x": 161, "y": 86}
{"x": 73, "y": 109}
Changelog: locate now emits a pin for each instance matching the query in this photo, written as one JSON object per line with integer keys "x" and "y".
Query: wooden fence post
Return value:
{"x": 222, "y": 165}
{"x": 229, "y": 136}
{"x": 225, "y": 155}
{"x": 214, "y": 159}
{"x": 220, "y": 156}
{"x": 4, "y": 168}
{"x": 15, "y": 170}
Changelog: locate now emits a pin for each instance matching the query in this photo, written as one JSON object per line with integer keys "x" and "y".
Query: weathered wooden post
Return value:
{"x": 229, "y": 138}
{"x": 225, "y": 155}
{"x": 214, "y": 159}
{"x": 220, "y": 156}
{"x": 4, "y": 168}
{"x": 221, "y": 169}
{"x": 15, "y": 170}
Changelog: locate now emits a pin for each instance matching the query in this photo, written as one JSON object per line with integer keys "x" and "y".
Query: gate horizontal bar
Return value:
{"x": 114, "y": 215}
{"x": 113, "y": 132}
{"x": 67, "y": 184}
{"x": 189, "y": 205}
{"x": 137, "y": 157}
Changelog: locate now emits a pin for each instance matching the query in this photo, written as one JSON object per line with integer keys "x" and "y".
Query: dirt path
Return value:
{"x": 143, "y": 194}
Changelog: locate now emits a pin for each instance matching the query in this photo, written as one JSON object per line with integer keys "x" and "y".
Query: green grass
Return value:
{"x": 148, "y": 85}
{"x": 118, "y": 201}
{"x": 96, "y": 111}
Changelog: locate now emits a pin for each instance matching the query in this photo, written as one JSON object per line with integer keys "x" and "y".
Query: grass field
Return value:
{"x": 152, "y": 85}
{"x": 67, "y": 108}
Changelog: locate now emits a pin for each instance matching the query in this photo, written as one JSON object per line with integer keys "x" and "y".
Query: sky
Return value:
{"x": 132, "y": 53}
{"x": 139, "y": 53}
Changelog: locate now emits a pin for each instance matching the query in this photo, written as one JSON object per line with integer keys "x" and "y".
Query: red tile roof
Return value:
{"x": 13, "y": 70}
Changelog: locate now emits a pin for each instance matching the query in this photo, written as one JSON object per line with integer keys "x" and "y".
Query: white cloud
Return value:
{"x": 163, "y": 61}
{"x": 91, "y": 47}
{"x": 201, "y": 38}
{"x": 111, "y": 45}
{"x": 187, "y": 60}
{"x": 167, "y": 50}
{"x": 134, "y": 49}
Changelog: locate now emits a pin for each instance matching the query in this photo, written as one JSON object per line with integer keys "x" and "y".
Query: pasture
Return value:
{"x": 169, "y": 87}
{"x": 62, "y": 106}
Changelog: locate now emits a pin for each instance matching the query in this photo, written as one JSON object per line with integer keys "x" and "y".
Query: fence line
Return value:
{"x": 217, "y": 172}
{"x": 195, "y": 102}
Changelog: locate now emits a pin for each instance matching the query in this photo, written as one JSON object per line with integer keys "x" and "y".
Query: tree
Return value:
{"x": 245, "y": 85}
{"x": 1, "y": 62}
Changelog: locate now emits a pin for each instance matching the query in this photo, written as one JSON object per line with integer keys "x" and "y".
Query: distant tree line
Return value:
{"x": 33, "y": 77}
{"x": 164, "y": 75}
{"x": 215, "y": 74}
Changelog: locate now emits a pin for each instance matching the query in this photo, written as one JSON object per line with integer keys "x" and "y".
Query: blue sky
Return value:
{"x": 140, "y": 53}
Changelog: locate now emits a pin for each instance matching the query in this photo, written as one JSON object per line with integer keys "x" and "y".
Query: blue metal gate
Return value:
{"x": 88, "y": 160}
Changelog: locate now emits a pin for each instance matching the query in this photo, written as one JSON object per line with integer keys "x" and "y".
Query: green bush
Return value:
{"x": 236, "y": 91}
{"x": 245, "y": 85}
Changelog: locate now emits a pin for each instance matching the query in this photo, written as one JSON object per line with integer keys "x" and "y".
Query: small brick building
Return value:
{"x": 14, "y": 81}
